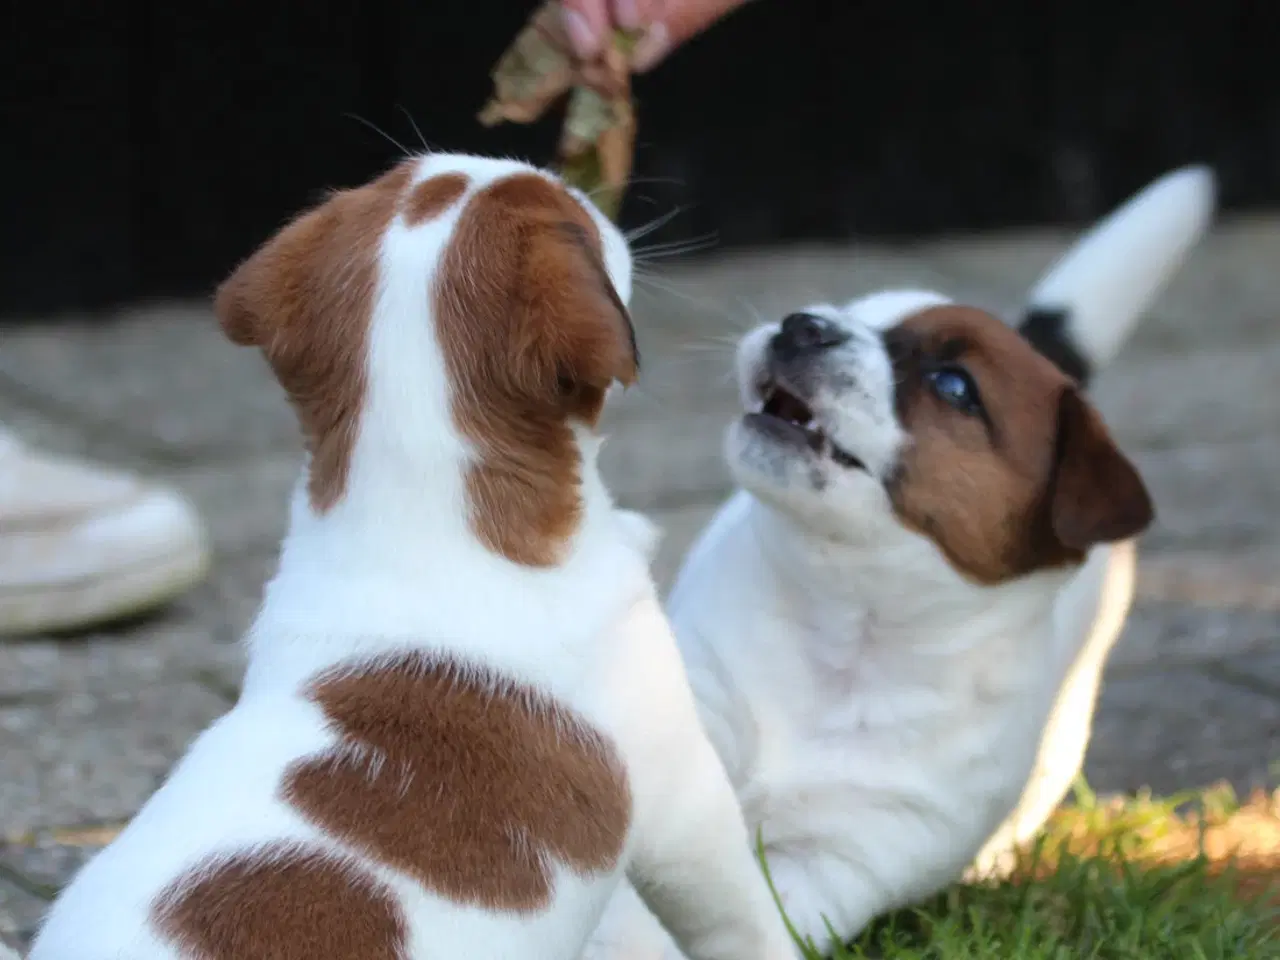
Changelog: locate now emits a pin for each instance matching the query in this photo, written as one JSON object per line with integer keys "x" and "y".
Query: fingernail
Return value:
{"x": 581, "y": 37}
{"x": 627, "y": 13}
{"x": 653, "y": 46}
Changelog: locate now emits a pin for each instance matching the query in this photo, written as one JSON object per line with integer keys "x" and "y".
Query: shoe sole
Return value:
{"x": 92, "y": 602}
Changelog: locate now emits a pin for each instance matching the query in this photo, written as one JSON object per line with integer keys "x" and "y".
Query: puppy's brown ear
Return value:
{"x": 582, "y": 329}
{"x": 315, "y": 276}
{"x": 248, "y": 301}
{"x": 306, "y": 298}
{"x": 1097, "y": 494}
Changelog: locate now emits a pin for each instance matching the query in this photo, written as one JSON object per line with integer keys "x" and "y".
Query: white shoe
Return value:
{"x": 81, "y": 545}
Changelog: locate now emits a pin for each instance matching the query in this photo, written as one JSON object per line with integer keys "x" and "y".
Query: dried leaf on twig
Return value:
{"x": 598, "y": 138}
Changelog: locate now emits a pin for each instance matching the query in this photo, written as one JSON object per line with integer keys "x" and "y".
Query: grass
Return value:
{"x": 1194, "y": 876}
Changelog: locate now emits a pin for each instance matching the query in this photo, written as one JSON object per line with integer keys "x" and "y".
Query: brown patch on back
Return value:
{"x": 434, "y": 196}
{"x": 306, "y": 299}
{"x": 469, "y": 783}
{"x": 1033, "y": 481}
{"x": 533, "y": 334}
{"x": 284, "y": 902}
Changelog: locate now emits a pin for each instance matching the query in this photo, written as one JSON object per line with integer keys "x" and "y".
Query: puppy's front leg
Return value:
{"x": 690, "y": 858}
{"x": 694, "y": 868}
{"x": 823, "y": 893}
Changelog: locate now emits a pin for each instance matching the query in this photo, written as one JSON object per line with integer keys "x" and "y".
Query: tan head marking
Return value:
{"x": 305, "y": 298}
{"x": 533, "y": 333}
{"x": 468, "y": 783}
{"x": 1029, "y": 480}
{"x": 281, "y": 902}
{"x": 434, "y": 196}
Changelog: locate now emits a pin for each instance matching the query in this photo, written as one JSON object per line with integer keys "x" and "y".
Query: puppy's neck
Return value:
{"x": 895, "y": 589}
{"x": 396, "y": 562}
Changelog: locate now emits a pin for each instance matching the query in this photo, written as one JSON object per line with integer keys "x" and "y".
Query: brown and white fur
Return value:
{"x": 896, "y": 628}
{"x": 464, "y": 719}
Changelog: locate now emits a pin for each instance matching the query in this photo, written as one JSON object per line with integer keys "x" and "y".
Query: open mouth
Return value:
{"x": 786, "y": 417}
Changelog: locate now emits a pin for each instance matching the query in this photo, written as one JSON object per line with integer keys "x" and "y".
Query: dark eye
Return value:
{"x": 956, "y": 387}
{"x": 566, "y": 385}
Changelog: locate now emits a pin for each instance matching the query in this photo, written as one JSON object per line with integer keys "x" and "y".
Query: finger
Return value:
{"x": 631, "y": 14}
{"x": 687, "y": 18}
{"x": 637, "y": 14}
{"x": 586, "y": 22}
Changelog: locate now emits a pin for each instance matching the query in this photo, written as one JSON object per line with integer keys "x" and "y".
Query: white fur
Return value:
{"x": 394, "y": 566}
{"x": 886, "y": 723}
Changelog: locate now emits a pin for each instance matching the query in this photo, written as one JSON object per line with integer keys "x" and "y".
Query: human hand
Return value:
{"x": 665, "y": 24}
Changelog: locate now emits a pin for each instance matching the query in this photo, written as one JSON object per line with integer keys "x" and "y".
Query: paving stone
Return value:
{"x": 729, "y": 292}
{"x": 680, "y": 527}
{"x": 1160, "y": 634}
{"x": 1258, "y": 671}
{"x": 245, "y": 502}
{"x": 95, "y": 756}
{"x": 41, "y": 669}
{"x": 1177, "y": 728}
{"x": 40, "y": 861}
{"x": 1243, "y": 577}
{"x": 648, "y": 464}
{"x": 1006, "y": 262}
{"x": 1225, "y": 292}
{"x": 196, "y": 638}
{"x": 20, "y": 913}
{"x": 216, "y": 397}
{"x": 1219, "y": 496}
{"x": 34, "y": 867}
{"x": 1208, "y": 395}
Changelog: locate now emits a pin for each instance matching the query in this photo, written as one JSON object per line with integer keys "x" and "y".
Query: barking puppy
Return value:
{"x": 464, "y": 718}
{"x": 896, "y": 629}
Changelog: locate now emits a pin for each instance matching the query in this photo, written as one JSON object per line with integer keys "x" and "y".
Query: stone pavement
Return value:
{"x": 89, "y": 725}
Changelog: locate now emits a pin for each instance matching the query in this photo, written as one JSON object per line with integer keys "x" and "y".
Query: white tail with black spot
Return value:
{"x": 1084, "y": 308}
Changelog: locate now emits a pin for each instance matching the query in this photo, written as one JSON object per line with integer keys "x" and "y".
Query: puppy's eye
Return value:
{"x": 954, "y": 386}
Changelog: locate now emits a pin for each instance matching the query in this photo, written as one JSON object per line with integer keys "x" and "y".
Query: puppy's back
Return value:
{"x": 388, "y": 802}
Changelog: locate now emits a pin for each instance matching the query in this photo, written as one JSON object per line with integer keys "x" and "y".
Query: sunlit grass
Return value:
{"x": 1193, "y": 876}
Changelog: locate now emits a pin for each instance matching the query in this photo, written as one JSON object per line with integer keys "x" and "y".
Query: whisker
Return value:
{"x": 414, "y": 123}
{"x": 676, "y": 181}
{"x": 639, "y": 182}
{"x": 652, "y": 201}
{"x": 382, "y": 133}
{"x": 649, "y": 280}
{"x": 675, "y": 248}
{"x": 639, "y": 233}
{"x": 665, "y": 244}
{"x": 746, "y": 318}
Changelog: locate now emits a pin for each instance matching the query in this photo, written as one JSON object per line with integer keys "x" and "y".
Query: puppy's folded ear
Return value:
{"x": 249, "y": 302}
{"x": 305, "y": 298}
{"x": 315, "y": 278}
{"x": 1097, "y": 495}
{"x": 578, "y": 325}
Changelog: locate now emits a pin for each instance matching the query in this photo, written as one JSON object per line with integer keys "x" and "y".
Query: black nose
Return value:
{"x": 805, "y": 333}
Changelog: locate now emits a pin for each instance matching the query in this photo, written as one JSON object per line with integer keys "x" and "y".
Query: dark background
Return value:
{"x": 147, "y": 145}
